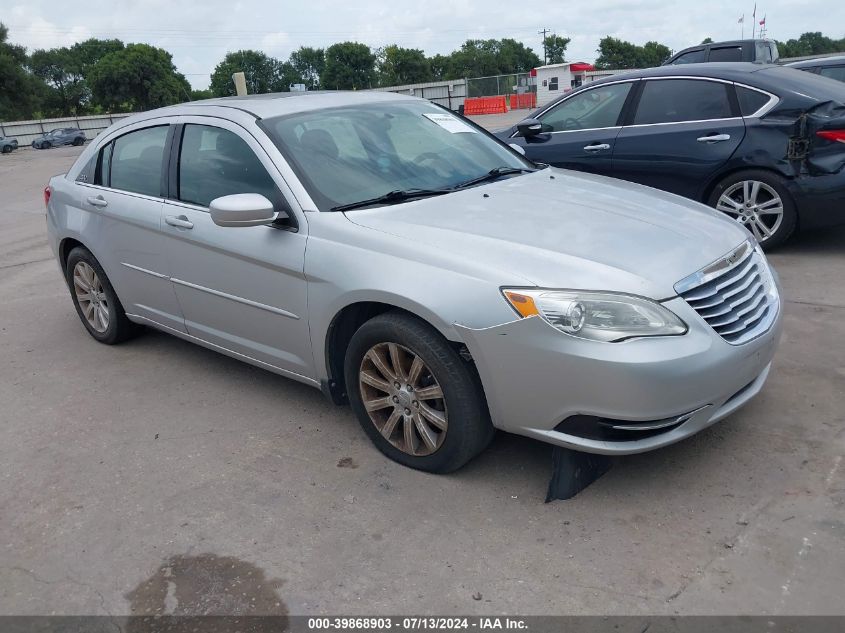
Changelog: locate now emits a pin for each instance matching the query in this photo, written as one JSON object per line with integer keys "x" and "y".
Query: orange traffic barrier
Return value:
{"x": 485, "y": 105}
{"x": 525, "y": 100}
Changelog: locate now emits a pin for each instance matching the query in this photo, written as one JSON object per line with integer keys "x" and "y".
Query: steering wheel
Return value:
{"x": 444, "y": 168}
{"x": 571, "y": 124}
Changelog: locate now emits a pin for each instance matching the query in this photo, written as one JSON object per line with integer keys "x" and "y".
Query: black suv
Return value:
{"x": 757, "y": 51}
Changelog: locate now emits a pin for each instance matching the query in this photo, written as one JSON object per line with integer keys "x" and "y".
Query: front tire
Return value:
{"x": 95, "y": 300}
{"x": 78, "y": 141}
{"x": 760, "y": 201}
{"x": 46, "y": 145}
{"x": 419, "y": 402}
{"x": 7, "y": 149}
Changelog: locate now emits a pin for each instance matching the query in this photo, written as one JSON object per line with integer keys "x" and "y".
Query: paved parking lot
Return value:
{"x": 158, "y": 476}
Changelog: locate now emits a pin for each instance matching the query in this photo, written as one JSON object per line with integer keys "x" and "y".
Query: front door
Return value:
{"x": 242, "y": 288}
{"x": 580, "y": 131}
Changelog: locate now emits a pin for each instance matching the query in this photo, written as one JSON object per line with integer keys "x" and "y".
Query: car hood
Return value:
{"x": 556, "y": 228}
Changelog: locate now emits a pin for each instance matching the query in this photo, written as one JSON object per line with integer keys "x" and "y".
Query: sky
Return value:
{"x": 199, "y": 34}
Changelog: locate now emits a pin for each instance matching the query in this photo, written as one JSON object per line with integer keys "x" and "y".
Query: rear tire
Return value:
{"x": 78, "y": 141}
{"x": 95, "y": 300}
{"x": 760, "y": 201}
{"x": 437, "y": 419}
{"x": 7, "y": 149}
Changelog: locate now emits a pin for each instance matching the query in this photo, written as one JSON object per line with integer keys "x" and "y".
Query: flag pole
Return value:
{"x": 743, "y": 27}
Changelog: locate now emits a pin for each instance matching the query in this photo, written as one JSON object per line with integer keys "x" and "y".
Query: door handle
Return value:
{"x": 715, "y": 138}
{"x": 596, "y": 148}
{"x": 181, "y": 221}
{"x": 97, "y": 201}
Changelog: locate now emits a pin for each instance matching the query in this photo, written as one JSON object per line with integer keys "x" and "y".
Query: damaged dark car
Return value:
{"x": 763, "y": 144}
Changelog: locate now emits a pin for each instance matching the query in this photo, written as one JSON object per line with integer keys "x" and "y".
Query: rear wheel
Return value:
{"x": 78, "y": 141}
{"x": 7, "y": 149}
{"x": 95, "y": 301}
{"x": 760, "y": 201}
{"x": 415, "y": 397}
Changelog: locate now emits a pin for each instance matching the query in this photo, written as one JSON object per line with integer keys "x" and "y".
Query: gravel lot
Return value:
{"x": 159, "y": 476}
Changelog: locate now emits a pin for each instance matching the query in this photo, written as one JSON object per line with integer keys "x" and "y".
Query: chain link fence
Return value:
{"x": 496, "y": 85}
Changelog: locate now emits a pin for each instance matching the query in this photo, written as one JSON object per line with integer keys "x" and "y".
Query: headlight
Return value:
{"x": 598, "y": 316}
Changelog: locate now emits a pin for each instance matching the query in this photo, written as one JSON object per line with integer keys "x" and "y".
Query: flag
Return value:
{"x": 763, "y": 21}
{"x": 741, "y": 20}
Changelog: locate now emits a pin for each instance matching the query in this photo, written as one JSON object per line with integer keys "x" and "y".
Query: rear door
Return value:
{"x": 681, "y": 131}
{"x": 124, "y": 201}
{"x": 242, "y": 288}
{"x": 580, "y": 131}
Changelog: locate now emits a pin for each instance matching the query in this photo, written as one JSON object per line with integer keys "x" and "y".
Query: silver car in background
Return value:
{"x": 405, "y": 261}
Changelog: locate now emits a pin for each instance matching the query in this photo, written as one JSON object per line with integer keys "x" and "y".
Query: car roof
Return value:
{"x": 730, "y": 71}
{"x": 281, "y": 103}
{"x": 833, "y": 60}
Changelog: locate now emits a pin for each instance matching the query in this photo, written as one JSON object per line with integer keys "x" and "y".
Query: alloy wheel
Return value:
{"x": 91, "y": 296}
{"x": 755, "y": 205}
{"x": 403, "y": 399}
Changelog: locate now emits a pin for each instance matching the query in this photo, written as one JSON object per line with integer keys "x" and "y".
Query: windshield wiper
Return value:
{"x": 493, "y": 174}
{"x": 392, "y": 197}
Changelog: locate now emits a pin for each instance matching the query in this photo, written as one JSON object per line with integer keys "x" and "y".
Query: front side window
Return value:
{"x": 133, "y": 162}
{"x": 347, "y": 154}
{"x": 675, "y": 100}
{"x": 834, "y": 72}
{"x": 594, "y": 108}
{"x": 214, "y": 162}
{"x": 693, "y": 57}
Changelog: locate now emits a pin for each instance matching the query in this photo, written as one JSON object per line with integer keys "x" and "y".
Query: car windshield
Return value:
{"x": 349, "y": 154}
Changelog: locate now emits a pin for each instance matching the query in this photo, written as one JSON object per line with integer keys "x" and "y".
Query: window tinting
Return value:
{"x": 595, "y": 108}
{"x": 750, "y": 100}
{"x": 834, "y": 72}
{"x": 693, "y": 57}
{"x": 726, "y": 54}
{"x": 136, "y": 161}
{"x": 214, "y": 162}
{"x": 673, "y": 100}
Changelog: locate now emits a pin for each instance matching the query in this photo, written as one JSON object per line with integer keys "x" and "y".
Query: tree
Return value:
{"x": 556, "y": 48}
{"x": 197, "y": 95}
{"x": 616, "y": 54}
{"x": 483, "y": 58}
{"x": 92, "y": 50}
{"x": 811, "y": 43}
{"x": 137, "y": 77}
{"x": 262, "y": 73}
{"x": 707, "y": 40}
{"x": 21, "y": 92}
{"x": 308, "y": 64}
{"x": 349, "y": 66}
{"x": 398, "y": 66}
{"x": 61, "y": 71}
{"x": 439, "y": 65}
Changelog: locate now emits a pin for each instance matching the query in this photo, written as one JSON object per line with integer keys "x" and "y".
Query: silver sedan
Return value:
{"x": 403, "y": 260}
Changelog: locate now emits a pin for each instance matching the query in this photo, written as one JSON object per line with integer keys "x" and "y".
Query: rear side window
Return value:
{"x": 675, "y": 100}
{"x": 764, "y": 53}
{"x": 214, "y": 162}
{"x": 750, "y": 100}
{"x": 693, "y": 57}
{"x": 133, "y": 161}
{"x": 834, "y": 72}
{"x": 726, "y": 54}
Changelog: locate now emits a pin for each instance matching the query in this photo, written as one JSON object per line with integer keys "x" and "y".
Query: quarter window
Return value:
{"x": 133, "y": 161}
{"x": 674, "y": 100}
{"x": 750, "y": 100}
{"x": 214, "y": 162}
{"x": 594, "y": 108}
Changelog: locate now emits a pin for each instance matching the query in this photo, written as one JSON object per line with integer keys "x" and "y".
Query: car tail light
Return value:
{"x": 832, "y": 135}
{"x": 48, "y": 190}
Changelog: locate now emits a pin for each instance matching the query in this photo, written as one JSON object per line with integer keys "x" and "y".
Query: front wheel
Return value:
{"x": 45, "y": 145}
{"x": 78, "y": 141}
{"x": 415, "y": 397}
{"x": 760, "y": 201}
{"x": 7, "y": 149}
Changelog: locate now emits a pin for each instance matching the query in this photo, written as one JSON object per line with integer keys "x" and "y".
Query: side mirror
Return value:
{"x": 242, "y": 209}
{"x": 529, "y": 127}
{"x": 517, "y": 148}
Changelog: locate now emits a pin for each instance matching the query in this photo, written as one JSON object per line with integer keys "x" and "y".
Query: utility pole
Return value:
{"x": 543, "y": 32}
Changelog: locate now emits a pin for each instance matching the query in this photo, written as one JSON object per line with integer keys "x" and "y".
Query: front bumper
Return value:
{"x": 536, "y": 377}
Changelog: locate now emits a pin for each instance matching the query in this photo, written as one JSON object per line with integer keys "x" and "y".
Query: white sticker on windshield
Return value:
{"x": 449, "y": 123}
